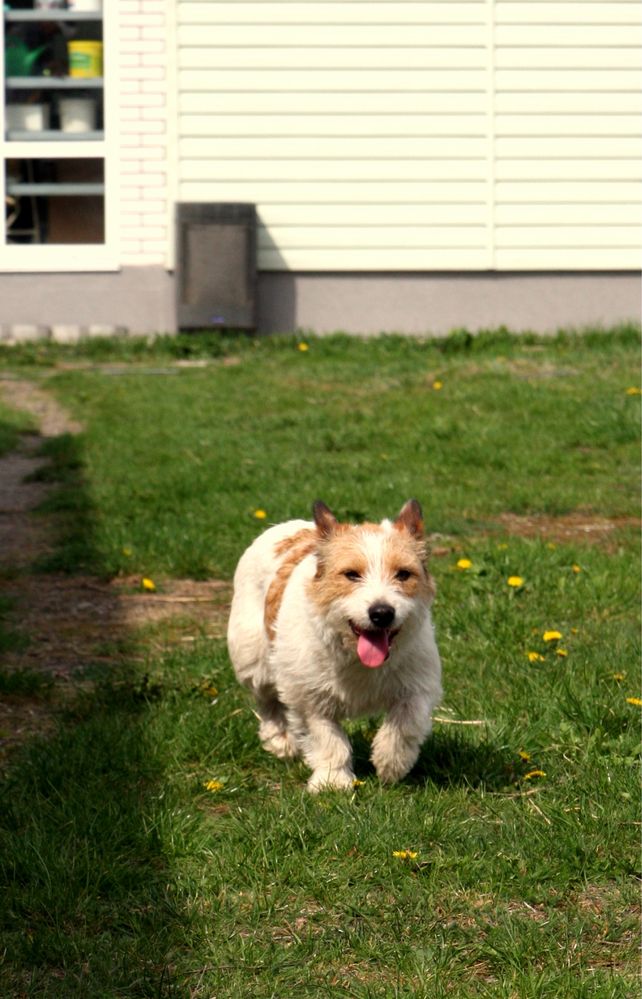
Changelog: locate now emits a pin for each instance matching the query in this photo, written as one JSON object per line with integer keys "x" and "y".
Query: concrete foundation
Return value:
{"x": 142, "y": 300}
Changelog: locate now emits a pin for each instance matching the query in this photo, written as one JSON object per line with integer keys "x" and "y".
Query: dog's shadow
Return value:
{"x": 450, "y": 758}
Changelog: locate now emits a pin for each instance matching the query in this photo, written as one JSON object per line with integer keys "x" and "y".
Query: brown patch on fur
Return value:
{"x": 292, "y": 550}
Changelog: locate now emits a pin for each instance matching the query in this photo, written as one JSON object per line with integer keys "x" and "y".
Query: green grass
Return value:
{"x": 176, "y": 461}
{"x": 12, "y": 425}
{"x": 123, "y": 876}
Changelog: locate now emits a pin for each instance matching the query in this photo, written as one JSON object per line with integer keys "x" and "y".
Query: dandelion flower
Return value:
{"x": 213, "y": 786}
{"x": 535, "y": 657}
{"x": 634, "y": 390}
{"x": 618, "y": 676}
{"x": 561, "y": 652}
{"x": 302, "y": 346}
{"x": 523, "y": 755}
{"x": 464, "y": 563}
{"x": 636, "y": 701}
{"x": 260, "y": 514}
{"x": 405, "y": 854}
{"x": 437, "y": 385}
{"x": 552, "y": 636}
{"x": 576, "y": 568}
{"x": 515, "y": 581}
{"x": 358, "y": 783}
{"x": 148, "y": 584}
{"x": 534, "y": 773}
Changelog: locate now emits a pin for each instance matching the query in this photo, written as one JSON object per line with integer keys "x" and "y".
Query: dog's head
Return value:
{"x": 371, "y": 580}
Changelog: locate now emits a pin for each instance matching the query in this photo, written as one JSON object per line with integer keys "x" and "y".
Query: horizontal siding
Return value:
{"x": 568, "y": 168}
{"x": 417, "y": 135}
{"x": 336, "y": 12}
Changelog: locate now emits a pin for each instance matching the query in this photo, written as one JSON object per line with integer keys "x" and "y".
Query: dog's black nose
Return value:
{"x": 381, "y": 615}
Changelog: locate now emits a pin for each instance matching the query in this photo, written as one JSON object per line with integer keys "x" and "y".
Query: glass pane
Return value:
{"x": 55, "y": 201}
{"x": 54, "y": 71}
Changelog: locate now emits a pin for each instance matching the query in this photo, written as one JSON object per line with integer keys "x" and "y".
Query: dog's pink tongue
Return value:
{"x": 373, "y": 648}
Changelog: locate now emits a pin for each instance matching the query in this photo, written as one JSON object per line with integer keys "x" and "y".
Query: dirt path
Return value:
{"x": 68, "y": 623}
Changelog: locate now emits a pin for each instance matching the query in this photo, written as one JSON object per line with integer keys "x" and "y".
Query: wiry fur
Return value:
{"x": 302, "y": 592}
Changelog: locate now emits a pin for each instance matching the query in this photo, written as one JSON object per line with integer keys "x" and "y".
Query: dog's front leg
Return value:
{"x": 327, "y": 751}
{"x": 396, "y": 745}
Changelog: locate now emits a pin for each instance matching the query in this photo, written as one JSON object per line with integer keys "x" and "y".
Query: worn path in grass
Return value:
{"x": 65, "y": 623}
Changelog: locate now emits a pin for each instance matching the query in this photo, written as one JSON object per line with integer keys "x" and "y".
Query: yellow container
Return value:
{"x": 85, "y": 59}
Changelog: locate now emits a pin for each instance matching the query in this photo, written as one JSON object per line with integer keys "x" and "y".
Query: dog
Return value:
{"x": 332, "y": 621}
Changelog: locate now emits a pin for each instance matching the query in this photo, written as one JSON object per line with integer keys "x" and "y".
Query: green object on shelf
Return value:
{"x": 19, "y": 60}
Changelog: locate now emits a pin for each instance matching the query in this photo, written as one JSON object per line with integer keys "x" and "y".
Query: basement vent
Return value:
{"x": 216, "y": 266}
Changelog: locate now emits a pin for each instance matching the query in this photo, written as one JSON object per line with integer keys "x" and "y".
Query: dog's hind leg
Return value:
{"x": 273, "y": 724}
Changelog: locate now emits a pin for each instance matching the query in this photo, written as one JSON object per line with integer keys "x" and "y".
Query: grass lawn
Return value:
{"x": 149, "y": 848}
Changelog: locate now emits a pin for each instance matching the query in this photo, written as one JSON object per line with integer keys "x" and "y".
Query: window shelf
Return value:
{"x": 54, "y": 135}
{"x": 54, "y": 190}
{"x": 36, "y": 16}
{"x": 55, "y": 82}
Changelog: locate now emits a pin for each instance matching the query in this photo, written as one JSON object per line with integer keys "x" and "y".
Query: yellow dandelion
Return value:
{"x": 523, "y": 755}
{"x": 576, "y": 568}
{"x": 534, "y": 773}
{"x": 260, "y": 514}
{"x": 303, "y": 346}
{"x": 561, "y": 652}
{"x": 636, "y": 701}
{"x": 213, "y": 786}
{"x": 405, "y": 854}
{"x": 634, "y": 390}
{"x": 515, "y": 581}
{"x": 552, "y": 636}
{"x": 148, "y": 584}
{"x": 437, "y": 385}
{"x": 618, "y": 676}
{"x": 209, "y": 691}
{"x": 502, "y": 547}
{"x": 535, "y": 657}
{"x": 358, "y": 783}
{"x": 464, "y": 563}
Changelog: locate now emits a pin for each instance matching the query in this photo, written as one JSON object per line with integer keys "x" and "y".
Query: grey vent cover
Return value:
{"x": 216, "y": 266}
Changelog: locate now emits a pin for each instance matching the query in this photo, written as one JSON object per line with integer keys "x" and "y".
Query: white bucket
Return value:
{"x": 26, "y": 117}
{"x": 77, "y": 114}
{"x": 85, "y": 5}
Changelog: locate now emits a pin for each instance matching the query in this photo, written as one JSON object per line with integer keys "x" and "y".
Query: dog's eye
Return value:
{"x": 402, "y": 575}
{"x": 352, "y": 575}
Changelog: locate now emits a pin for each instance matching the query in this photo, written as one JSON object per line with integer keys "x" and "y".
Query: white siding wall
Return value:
{"x": 144, "y": 156}
{"x": 417, "y": 135}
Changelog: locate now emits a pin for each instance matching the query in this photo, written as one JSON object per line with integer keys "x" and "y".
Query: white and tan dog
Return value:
{"x": 332, "y": 621}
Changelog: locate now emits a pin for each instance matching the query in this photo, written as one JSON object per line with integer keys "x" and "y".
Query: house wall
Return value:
{"x": 417, "y": 166}
{"x": 145, "y": 110}
{"x": 448, "y": 136}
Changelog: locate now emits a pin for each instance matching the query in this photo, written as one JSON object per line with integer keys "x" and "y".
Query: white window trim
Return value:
{"x": 74, "y": 257}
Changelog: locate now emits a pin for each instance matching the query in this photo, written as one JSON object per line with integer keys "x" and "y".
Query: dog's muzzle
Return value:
{"x": 373, "y": 644}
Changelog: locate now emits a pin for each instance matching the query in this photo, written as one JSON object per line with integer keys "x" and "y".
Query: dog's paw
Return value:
{"x": 393, "y": 758}
{"x": 324, "y": 780}
{"x": 281, "y": 744}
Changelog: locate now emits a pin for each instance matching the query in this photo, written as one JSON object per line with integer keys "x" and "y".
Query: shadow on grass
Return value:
{"x": 450, "y": 758}
{"x": 88, "y": 904}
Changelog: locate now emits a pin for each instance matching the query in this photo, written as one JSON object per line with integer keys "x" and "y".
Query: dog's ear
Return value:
{"x": 324, "y": 519}
{"x": 411, "y": 518}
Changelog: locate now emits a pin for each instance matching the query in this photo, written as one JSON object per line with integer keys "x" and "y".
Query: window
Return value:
{"x": 55, "y": 177}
